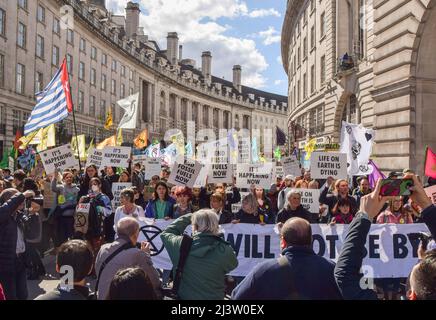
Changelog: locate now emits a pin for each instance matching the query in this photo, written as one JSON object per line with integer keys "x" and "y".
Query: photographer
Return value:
{"x": 15, "y": 227}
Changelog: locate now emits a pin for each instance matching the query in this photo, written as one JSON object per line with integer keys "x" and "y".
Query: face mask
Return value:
{"x": 95, "y": 188}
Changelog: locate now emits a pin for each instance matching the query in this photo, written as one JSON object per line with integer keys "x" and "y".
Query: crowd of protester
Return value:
{"x": 38, "y": 216}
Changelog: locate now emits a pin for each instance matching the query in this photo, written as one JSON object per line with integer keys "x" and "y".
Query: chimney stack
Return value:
{"x": 180, "y": 53}
{"x": 132, "y": 19}
{"x": 206, "y": 66}
{"x": 237, "y": 71}
{"x": 172, "y": 47}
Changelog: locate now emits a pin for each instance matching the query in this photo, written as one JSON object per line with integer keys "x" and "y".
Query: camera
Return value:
{"x": 425, "y": 238}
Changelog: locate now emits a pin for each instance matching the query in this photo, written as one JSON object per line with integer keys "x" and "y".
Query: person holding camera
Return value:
{"x": 124, "y": 253}
{"x": 15, "y": 226}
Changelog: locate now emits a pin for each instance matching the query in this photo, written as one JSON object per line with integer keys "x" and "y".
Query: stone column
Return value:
{"x": 177, "y": 116}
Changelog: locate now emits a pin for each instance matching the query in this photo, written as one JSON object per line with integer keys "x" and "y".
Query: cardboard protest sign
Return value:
{"x": 254, "y": 174}
{"x": 142, "y": 158}
{"x": 220, "y": 173}
{"x": 117, "y": 187}
{"x": 152, "y": 168}
{"x": 95, "y": 157}
{"x": 309, "y": 199}
{"x": 116, "y": 157}
{"x": 59, "y": 158}
{"x": 185, "y": 173}
{"x": 213, "y": 152}
{"x": 431, "y": 193}
{"x": 291, "y": 166}
{"x": 325, "y": 164}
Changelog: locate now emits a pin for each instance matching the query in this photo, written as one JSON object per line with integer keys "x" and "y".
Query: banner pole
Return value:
{"x": 75, "y": 131}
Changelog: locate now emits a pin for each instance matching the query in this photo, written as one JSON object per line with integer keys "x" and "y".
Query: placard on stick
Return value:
{"x": 59, "y": 158}
{"x": 254, "y": 174}
{"x": 185, "y": 173}
{"x": 117, "y": 187}
{"x": 95, "y": 157}
{"x": 326, "y": 164}
{"x": 220, "y": 173}
{"x": 291, "y": 166}
{"x": 309, "y": 199}
{"x": 152, "y": 167}
{"x": 116, "y": 157}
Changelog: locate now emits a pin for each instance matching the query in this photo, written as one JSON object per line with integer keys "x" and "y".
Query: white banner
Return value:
{"x": 95, "y": 157}
{"x": 220, "y": 173}
{"x": 59, "y": 158}
{"x": 116, "y": 157}
{"x": 291, "y": 166}
{"x": 390, "y": 253}
{"x": 117, "y": 187}
{"x": 356, "y": 143}
{"x": 254, "y": 174}
{"x": 328, "y": 164}
{"x": 152, "y": 168}
{"x": 185, "y": 173}
{"x": 309, "y": 199}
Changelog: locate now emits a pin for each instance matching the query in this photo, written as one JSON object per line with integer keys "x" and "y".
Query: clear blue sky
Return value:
{"x": 235, "y": 31}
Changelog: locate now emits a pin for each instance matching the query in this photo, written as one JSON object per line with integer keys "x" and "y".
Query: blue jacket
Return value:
{"x": 150, "y": 209}
{"x": 311, "y": 278}
{"x": 347, "y": 271}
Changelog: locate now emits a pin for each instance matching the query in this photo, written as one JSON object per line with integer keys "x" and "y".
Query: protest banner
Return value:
{"x": 309, "y": 199}
{"x": 117, "y": 187}
{"x": 95, "y": 157}
{"x": 140, "y": 158}
{"x": 220, "y": 173}
{"x": 431, "y": 193}
{"x": 254, "y": 174}
{"x": 277, "y": 172}
{"x": 59, "y": 158}
{"x": 116, "y": 157}
{"x": 325, "y": 164}
{"x": 152, "y": 168}
{"x": 213, "y": 152}
{"x": 291, "y": 166}
{"x": 185, "y": 173}
{"x": 389, "y": 251}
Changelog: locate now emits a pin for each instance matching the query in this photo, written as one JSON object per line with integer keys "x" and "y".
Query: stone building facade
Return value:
{"x": 110, "y": 57}
{"x": 387, "y": 82}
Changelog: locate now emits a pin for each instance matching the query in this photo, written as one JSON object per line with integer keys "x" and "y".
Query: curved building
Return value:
{"x": 110, "y": 57}
{"x": 363, "y": 61}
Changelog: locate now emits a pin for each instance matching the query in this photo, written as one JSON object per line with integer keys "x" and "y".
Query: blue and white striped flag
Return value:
{"x": 53, "y": 104}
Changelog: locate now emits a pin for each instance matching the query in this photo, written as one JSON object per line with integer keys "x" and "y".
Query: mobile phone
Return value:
{"x": 396, "y": 187}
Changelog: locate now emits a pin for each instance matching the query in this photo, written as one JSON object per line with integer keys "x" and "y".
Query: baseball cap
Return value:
{"x": 289, "y": 177}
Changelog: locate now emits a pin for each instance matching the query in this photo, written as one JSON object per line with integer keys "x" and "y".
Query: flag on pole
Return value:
{"x": 309, "y": 148}
{"x": 280, "y": 137}
{"x": 46, "y": 137}
{"x": 26, "y": 140}
{"x": 179, "y": 142}
{"x": 120, "y": 137}
{"x": 375, "y": 175}
{"x": 277, "y": 153}
{"x": 17, "y": 141}
{"x": 430, "y": 163}
{"x": 91, "y": 146}
{"x": 141, "y": 140}
{"x": 109, "y": 120}
{"x": 78, "y": 145}
{"x": 53, "y": 104}
{"x": 109, "y": 142}
{"x": 130, "y": 106}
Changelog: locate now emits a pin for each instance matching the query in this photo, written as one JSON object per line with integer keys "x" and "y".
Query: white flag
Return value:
{"x": 130, "y": 106}
{"x": 356, "y": 142}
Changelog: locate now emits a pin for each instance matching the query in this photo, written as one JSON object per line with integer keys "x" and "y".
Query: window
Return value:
{"x": 70, "y": 36}
{"x": 103, "y": 110}
{"x": 322, "y": 24}
{"x": 56, "y": 26}
{"x": 205, "y": 115}
{"x": 2, "y": 70}
{"x": 70, "y": 63}
{"x": 123, "y": 91}
{"x": 104, "y": 59}
{"x": 92, "y": 105}
{"x": 40, "y": 15}
{"x": 40, "y": 47}
{"x": 82, "y": 71}
{"x": 22, "y": 4}
{"x": 312, "y": 79}
{"x": 304, "y": 48}
{"x": 360, "y": 50}
{"x": 131, "y": 74}
{"x": 103, "y": 82}
{"x": 130, "y": 91}
{"x": 55, "y": 56}
{"x": 312, "y": 5}
{"x": 299, "y": 55}
{"x": 93, "y": 77}
{"x": 82, "y": 45}
{"x": 114, "y": 65}
{"x": 305, "y": 86}
{"x": 93, "y": 53}
{"x": 2, "y": 22}
{"x": 123, "y": 71}
{"x": 81, "y": 102}
{"x": 21, "y": 41}
{"x": 39, "y": 82}
{"x": 312, "y": 37}
{"x": 305, "y": 16}
{"x": 299, "y": 91}
{"x": 323, "y": 75}
{"x": 16, "y": 120}
{"x": 20, "y": 76}
{"x": 114, "y": 86}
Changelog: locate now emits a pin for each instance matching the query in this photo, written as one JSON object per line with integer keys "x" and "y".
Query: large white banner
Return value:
{"x": 390, "y": 253}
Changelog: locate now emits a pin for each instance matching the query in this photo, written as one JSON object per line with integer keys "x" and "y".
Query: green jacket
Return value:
{"x": 209, "y": 260}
